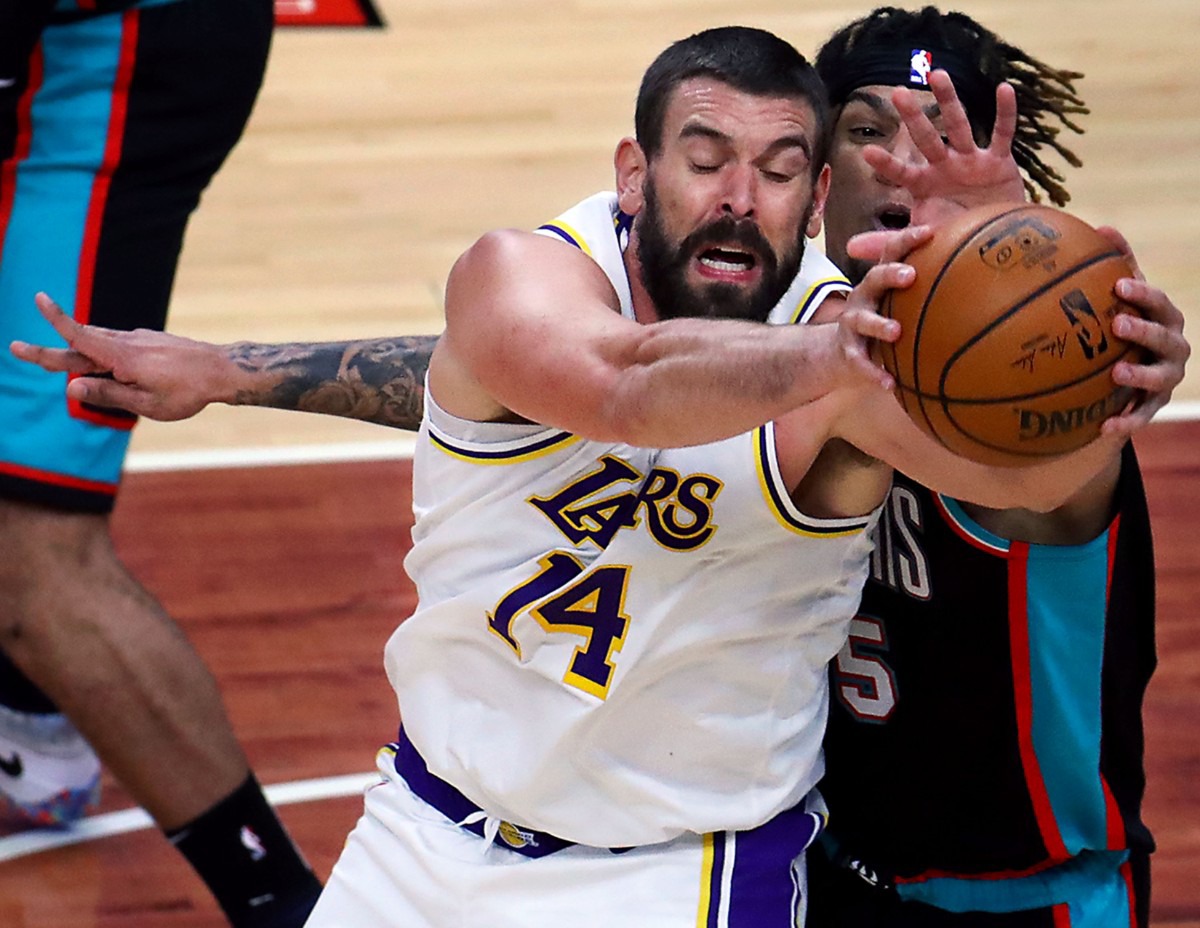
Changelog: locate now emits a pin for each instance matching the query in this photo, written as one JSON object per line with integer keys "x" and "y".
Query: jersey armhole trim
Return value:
{"x": 816, "y": 295}
{"x": 779, "y": 500}
{"x": 567, "y": 234}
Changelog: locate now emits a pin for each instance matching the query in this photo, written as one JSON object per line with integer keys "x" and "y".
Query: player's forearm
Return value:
{"x": 1076, "y": 522}
{"x": 880, "y": 428}
{"x": 376, "y": 380}
{"x": 693, "y": 381}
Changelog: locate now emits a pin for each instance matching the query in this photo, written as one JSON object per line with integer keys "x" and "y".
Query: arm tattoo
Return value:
{"x": 381, "y": 380}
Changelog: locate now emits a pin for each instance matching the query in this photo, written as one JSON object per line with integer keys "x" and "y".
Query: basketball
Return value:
{"x": 1006, "y": 344}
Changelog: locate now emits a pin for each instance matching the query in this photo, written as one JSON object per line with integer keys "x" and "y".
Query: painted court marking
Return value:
{"x": 400, "y": 448}
{"x": 95, "y": 827}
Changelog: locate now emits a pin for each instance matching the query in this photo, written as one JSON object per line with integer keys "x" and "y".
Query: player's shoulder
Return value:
{"x": 514, "y": 260}
{"x": 597, "y": 228}
{"x": 493, "y": 251}
{"x": 592, "y": 225}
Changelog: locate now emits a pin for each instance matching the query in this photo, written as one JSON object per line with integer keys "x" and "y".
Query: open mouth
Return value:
{"x": 727, "y": 260}
{"x": 894, "y": 217}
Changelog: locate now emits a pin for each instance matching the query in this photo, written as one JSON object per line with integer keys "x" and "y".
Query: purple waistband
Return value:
{"x": 458, "y": 808}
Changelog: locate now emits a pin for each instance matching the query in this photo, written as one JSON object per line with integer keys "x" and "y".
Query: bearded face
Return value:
{"x": 730, "y": 243}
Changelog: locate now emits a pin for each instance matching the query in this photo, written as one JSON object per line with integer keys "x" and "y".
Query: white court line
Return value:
{"x": 399, "y": 448}
{"x": 95, "y": 827}
{"x": 1179, "y": 412}
{"x": 393, "y": 449}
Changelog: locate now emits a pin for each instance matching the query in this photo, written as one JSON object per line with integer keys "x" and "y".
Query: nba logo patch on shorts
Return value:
{"x": 920, "y": 66}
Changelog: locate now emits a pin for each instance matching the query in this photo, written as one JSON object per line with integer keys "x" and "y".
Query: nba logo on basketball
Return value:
{"x": 1023, "y": 242}
{"x": 920, "y": 66}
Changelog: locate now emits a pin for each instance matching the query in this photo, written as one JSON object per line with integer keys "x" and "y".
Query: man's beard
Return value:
{"x": 665, "y": 265}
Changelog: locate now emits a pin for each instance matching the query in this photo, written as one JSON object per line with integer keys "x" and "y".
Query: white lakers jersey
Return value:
{"x": 617, "y": 645}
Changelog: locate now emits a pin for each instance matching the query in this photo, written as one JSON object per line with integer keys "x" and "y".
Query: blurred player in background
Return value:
{"x": 114, "y": 115}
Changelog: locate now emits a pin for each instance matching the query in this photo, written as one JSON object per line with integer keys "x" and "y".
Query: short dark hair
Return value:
{"x": 752, "y": 61}
{"x": 982, "y": 58}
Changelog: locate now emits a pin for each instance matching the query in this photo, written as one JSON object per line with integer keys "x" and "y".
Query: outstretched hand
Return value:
{"x": 145, "y": 372}
{"x": 954, "y": 173}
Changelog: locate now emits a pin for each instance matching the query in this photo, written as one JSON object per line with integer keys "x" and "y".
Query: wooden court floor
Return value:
{"x": 288, "y": 580}
{"x": 373, "y": 158}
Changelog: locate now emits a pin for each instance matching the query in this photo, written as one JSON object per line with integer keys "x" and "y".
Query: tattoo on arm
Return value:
{"x": 381, "y": 380}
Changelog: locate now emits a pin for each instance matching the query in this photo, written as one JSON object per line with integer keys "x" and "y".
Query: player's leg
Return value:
{"x": 107, "y": 151}
{"x": 107, "y": 654}
{"x": 49, "y": 775}
{"x": 110, "y": 658}
{"x": 125, "y": 119}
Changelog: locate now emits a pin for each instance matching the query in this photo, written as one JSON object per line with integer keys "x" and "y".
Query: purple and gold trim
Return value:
{"x": 779, "y": 500}
{"x": 567, "y": 233}
{"x": 513, "y": 452}
{"x": 815, "y": 296}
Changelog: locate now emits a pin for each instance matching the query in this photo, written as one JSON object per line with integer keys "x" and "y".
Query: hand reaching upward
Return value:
{"x": 956, "y": 172}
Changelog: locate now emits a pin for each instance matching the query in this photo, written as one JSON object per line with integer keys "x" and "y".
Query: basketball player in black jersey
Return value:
{"x": 984, "y": 749}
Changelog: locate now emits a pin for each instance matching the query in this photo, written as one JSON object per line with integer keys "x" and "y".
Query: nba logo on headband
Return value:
{"x": 920, "y": 66}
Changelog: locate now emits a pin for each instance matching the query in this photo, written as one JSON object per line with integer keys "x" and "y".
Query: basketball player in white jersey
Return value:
{"x": 604, "y": 721}
{"x": 640, "y": 535}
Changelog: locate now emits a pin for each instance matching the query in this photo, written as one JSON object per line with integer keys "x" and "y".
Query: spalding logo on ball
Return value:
{"x": 1006, "y": 347}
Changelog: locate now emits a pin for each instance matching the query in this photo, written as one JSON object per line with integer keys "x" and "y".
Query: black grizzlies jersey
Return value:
{"x": 986, "y": 711}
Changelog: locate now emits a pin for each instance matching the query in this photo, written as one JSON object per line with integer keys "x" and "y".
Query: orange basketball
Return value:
{"x": 1006, "y": 348}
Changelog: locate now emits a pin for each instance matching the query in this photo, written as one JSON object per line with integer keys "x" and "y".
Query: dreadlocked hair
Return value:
{"x": 1046, "y": 96}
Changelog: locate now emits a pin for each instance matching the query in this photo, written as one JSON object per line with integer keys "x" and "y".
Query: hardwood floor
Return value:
{"x": 373, "y": 158}
{"x": 288, "y": 580}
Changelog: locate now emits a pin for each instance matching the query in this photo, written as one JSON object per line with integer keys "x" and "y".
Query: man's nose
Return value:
{"x": 741, "y": 191}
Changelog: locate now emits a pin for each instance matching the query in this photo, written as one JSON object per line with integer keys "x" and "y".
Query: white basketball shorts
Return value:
{"x": 407, "y": 864}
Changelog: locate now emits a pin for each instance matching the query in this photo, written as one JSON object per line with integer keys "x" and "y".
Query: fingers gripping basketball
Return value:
{"x": 1006, "y": 344}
